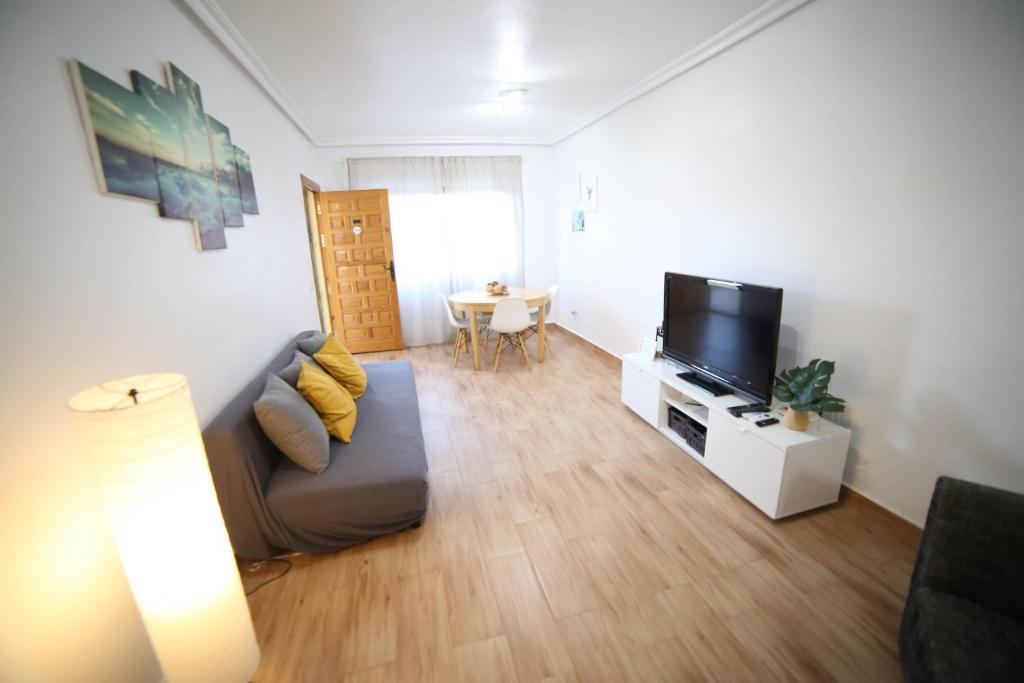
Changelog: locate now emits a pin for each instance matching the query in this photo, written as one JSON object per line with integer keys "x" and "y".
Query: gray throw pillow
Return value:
{"x": 291, "y": 373}
{"x": 311, "y": 345}
{"x": 292, "y": 425}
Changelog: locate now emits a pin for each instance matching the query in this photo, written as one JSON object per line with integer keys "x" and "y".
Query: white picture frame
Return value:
{"x": 588, "y": 189}
{"x": 648, "y": 348}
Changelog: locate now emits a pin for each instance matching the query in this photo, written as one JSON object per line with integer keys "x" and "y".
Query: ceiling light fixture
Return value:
{"x": 511, "y": 99}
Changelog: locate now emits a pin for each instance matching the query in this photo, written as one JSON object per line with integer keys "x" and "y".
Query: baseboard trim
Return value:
{"x": 580, "y": 339}
{"x": 885, "y": 508}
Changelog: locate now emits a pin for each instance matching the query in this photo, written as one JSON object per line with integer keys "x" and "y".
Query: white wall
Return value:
{"x": 867, "y": 157}
{"x": 539, "y": 192}
{"x": 95, "y": 287}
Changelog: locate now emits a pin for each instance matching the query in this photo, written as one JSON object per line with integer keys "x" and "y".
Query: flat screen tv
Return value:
{"x": 727, "y": 331}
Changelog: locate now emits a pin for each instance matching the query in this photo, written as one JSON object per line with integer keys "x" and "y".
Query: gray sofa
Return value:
{"x": 375, "y": 485}
{"x": 964, "y": 619}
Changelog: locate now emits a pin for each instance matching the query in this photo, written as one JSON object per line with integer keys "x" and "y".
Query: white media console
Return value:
{"x": 781, "y": 471}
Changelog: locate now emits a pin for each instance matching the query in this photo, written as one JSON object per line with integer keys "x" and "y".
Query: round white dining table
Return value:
{"x": 472, "y": 302}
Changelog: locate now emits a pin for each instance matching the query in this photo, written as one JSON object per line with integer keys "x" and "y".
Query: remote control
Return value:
{"x": 767, "y": 421}
{"x": 737, "y": 411}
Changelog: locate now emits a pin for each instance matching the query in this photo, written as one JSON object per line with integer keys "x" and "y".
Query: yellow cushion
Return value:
{"x": 334, "y": 405}
{"x": 339, "y": 364}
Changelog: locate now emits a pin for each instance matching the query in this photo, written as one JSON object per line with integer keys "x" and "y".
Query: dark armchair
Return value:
{"x": 964, "y": 618}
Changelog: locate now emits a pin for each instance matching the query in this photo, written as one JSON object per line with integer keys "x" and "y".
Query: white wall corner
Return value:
{"x": 762, "y": 17}
{"x": 214, "y": 18}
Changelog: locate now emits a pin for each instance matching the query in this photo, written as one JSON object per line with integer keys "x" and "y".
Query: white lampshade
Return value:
{"x": 143, "y": 441}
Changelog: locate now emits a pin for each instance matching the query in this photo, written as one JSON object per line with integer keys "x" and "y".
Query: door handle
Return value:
{"x": 391, "y": 267}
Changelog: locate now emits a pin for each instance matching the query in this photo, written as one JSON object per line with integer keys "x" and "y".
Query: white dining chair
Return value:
{"x": 552, "y": 290}
{"x": 510, "y": 319}
{"x": 461, "y": 328}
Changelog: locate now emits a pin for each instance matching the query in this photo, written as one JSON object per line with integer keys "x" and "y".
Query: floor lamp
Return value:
{"x": 142, "y": 439}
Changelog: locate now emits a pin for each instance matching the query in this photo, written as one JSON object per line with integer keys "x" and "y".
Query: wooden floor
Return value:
{"x": 567, "y": 540}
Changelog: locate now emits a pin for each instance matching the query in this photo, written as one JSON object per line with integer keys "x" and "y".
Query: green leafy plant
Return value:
{"x": 806, "y": 389}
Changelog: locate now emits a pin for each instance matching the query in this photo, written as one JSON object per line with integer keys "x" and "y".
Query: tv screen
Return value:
{"x": 727, "y": 330}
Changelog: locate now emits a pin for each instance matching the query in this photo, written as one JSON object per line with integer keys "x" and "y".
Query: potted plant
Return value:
{"x": 806, "y": 391}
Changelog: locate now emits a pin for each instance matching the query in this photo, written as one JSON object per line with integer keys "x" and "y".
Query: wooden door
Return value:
{"x": 359, "y": 267}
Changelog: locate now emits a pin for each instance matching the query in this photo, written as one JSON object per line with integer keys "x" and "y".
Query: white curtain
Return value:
{"x": 456, "y": 223}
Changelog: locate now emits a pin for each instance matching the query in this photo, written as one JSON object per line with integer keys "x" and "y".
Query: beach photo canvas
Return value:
{"x": 122, "y": 147}
{"x": 158, "y": 144}
{"x": 199, "y": 158}
{"x": 172, "y": 174}
{"x": 227, "y": 172}
{"x": 245, "y": 182}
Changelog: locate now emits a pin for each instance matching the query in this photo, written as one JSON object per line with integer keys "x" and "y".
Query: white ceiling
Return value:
{"x": 391, "y": 71}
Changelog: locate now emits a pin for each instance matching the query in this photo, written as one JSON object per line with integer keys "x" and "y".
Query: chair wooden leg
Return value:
{"x": 522, "y": 347}
{"x": 458, "y": 346}
{"x": 497, "y": 350}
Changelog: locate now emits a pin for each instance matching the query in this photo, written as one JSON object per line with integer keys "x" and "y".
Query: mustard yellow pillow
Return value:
{"x": 330, "y": 400}
{"x": 339, "y": 364}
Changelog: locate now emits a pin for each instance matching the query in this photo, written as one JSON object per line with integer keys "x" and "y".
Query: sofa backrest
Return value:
{"x": 973, "y": 546}
{"x": 242, "y": 460}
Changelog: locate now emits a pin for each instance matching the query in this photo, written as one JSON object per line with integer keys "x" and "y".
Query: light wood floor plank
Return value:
{"x": 472, "y": 609}
{"x": 472, "y": 461}
{"x": 534, "y": 638}
{"x": 628, "y": 487}
{"x": 595, "y": 649}
{"x": 485, "y": 661}
{"x": 440, "y": 453}
{"x": 495, "y": 525}
{"x": 566, "y": 586}
{"x": 666, "y": 661}
{"x": 425, "y": 651}
{"x": 521, "y": 499}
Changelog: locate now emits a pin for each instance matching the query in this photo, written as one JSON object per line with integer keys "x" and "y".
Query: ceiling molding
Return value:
{"x": 436, "y": 140}
{"x": 763, "y": 16}
{"x": 211, "y": 15}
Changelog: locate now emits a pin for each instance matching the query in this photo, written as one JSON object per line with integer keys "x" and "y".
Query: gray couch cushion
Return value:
{"x": 313, "y": 343}
{"x": 374, "y": 485}
{"x": 293, "y": 425}
{"x": 290, "y": 374}
{"x": 947, "y": 639}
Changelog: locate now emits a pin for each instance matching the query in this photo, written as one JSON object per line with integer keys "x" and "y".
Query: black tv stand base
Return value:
{"x": 710, "y": 386}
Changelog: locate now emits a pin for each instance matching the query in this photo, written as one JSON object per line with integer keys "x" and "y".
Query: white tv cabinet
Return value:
{"x": 781, "y": 471}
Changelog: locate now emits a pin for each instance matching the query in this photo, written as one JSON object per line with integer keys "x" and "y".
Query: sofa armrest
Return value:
{"x": 973, "y": 546}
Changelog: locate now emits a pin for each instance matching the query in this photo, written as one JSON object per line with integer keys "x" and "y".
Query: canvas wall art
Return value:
{"x": 123, "y": 144}
{"x": 168, "y": 147}
{"x": 578, "y": 221}
{"x": 245, "y": 184}
{"x": 227, "y": 172}
{"x": 158, "y": 144}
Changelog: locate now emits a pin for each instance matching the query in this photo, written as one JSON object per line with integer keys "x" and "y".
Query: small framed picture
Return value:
{"x": 578, "y": 221}
{"x": 648, "y": 348}
{"x": 588, "y": 190}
